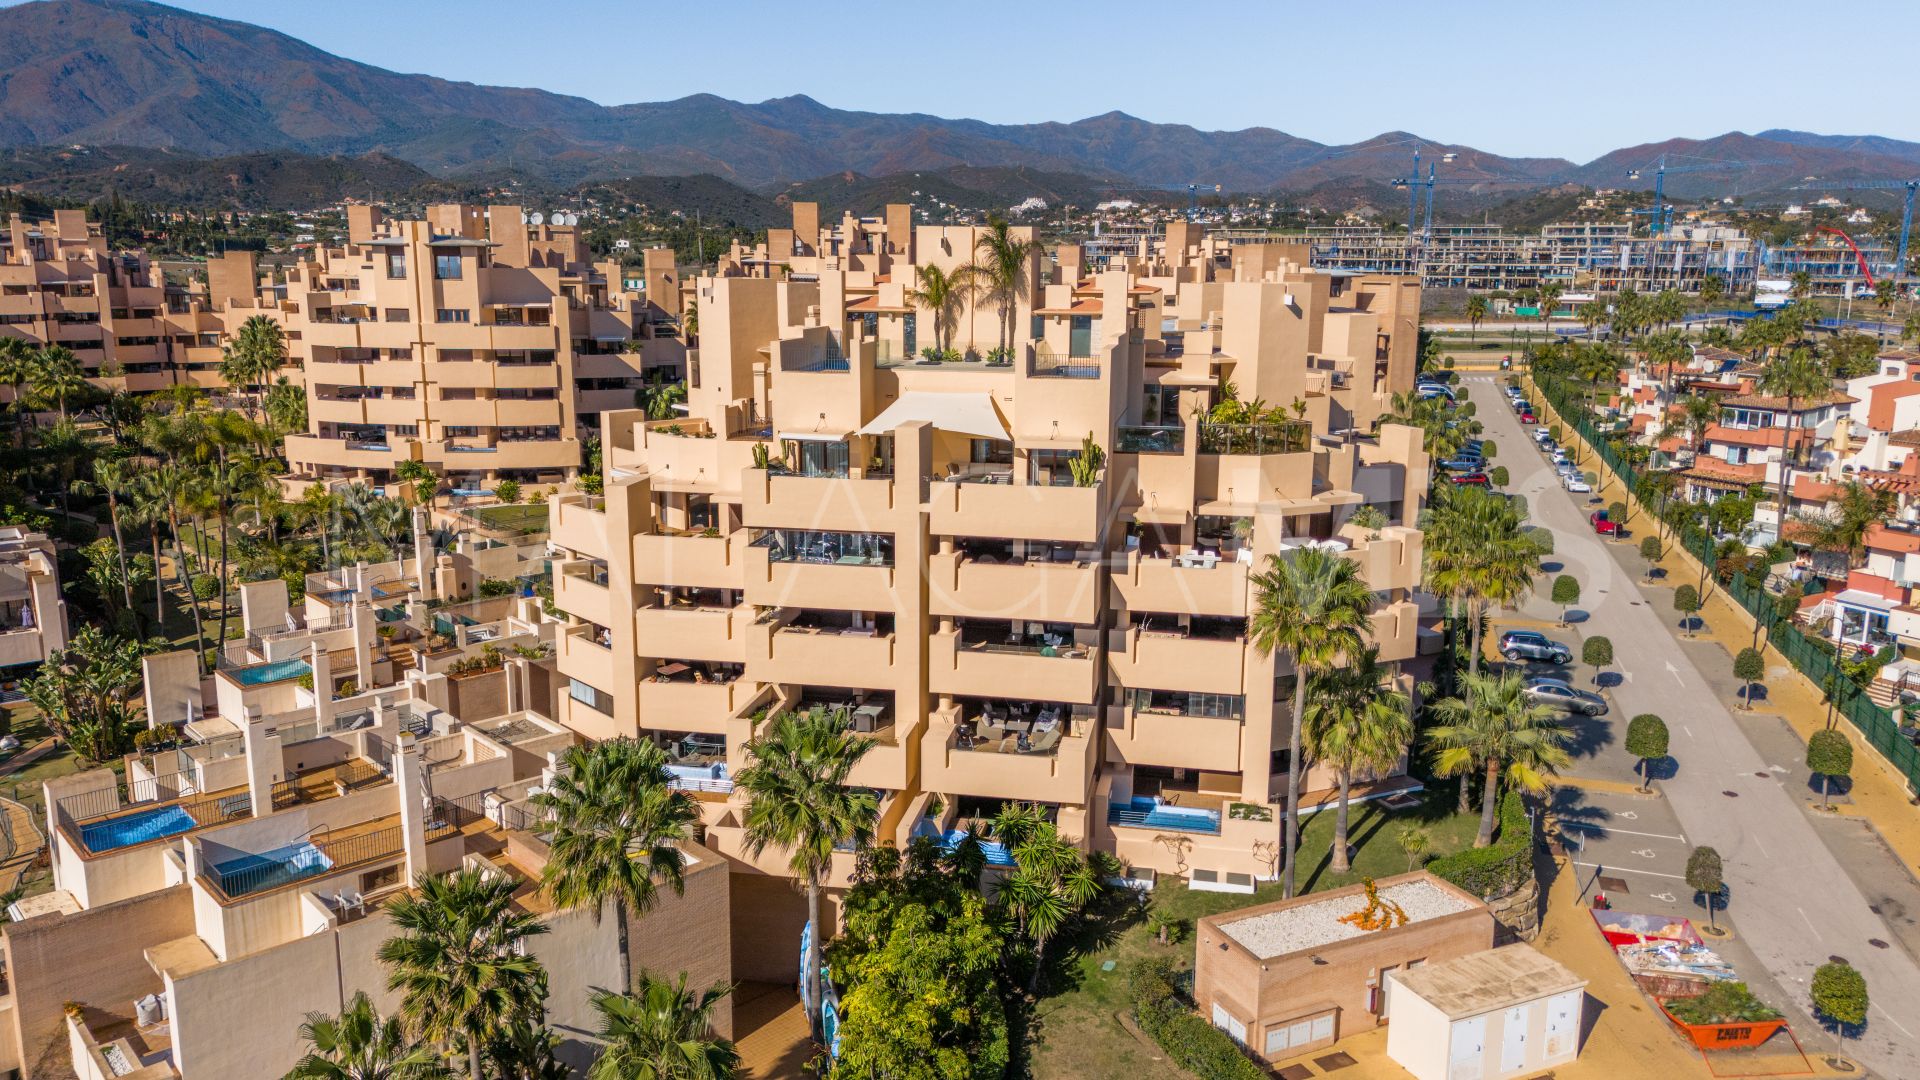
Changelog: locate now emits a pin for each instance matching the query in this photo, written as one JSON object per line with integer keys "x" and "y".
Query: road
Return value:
{"x": 1793, "y": 904}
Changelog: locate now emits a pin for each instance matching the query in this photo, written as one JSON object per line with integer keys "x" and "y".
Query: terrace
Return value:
{"x": 157, "y": 808}
{"x": 325, "y": 852}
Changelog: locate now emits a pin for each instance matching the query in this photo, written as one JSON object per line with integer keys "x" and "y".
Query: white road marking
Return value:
{"x": 1625, "y": 832}
{"x": 1629, "y": 870}
{"x": 1663, "y": 897}
{"x": 1761, "y": 846}
{"x": 1628, "y": 815}
{"x": 1646, "y": 853}
{"x": 1687, "y": 729}
{"x": 1675, "y": 672}
{"x": 1883, "y": 1012}
{"x": 1809, "y": 922}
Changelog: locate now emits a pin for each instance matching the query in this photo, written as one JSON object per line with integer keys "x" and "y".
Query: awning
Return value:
{"x": 814, "y": 436}
{"x": 963, "y": 413}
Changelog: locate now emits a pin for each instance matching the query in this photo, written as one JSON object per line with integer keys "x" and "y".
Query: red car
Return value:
{"x": 1598, "y": 519}
{"x": 1528, "y": 418}
{"x": 1478, "y": 479}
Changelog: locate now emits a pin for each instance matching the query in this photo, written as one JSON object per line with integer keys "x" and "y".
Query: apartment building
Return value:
{"x": 33, "y": 617}
{"x": 474, "y": 340}
{"x": 208, "y": 901}
{"x": 60, "y": 284}
{"x": 842, "y": 522}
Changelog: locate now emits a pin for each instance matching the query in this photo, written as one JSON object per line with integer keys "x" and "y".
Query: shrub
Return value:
{"x": 1488, "y": 449}
{"x": 1617, "y": 513}
{"x": 1650, "y": 549}
{"x": 1500, "y": 867}
{"x": 507, "y": 491}
{"x": 1686, "y": 601}
{"x": 1706, "y": 877}
{"x": 1749, "y": 667}
{"x": 1194, "y": 1044}
{"x": 205, "y": 586}
{"x": 1840, "y": 993}
{"x": 497, "y": 587}
{"x": 1829, "y": 754}
{"x": 1597, "y": 652}
{"x": 1498, "y": 475}
{"x": 1647, "y": 739}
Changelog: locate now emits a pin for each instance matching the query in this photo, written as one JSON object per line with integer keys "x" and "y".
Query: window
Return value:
{"x": 397, "y": 265}
{"x": 446, "y": 267}
{"x": 592, "y": 697}
{"x": 397, "y": 314}
{"x": 453, "y": 315}
{"x": 991, "y": 452}
{"x": 820, "y": 458}
{"x": 1231, "y": 1024}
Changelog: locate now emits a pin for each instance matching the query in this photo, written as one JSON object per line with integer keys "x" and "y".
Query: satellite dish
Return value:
{"x": 536, "y": 218}
{"x": 523, "y": 217}
{"x": 573, "y": 219}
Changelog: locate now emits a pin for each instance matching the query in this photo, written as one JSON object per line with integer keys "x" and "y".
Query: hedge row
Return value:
{"x": 1500, "y": 867}
{"x": 1194, "y": 1044}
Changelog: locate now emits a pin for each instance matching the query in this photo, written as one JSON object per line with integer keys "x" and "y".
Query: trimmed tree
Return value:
{"x": 1829, "y": 754}
{"x": 1566, "y": 593}
{"x": 1686, "y": 601}
{"x": 1488, "y": 449}
{"x": 1617, "y": 513}
{"x": 1647, "y": 741}
{"x": 1839, "y": 994}
{"x": 1650, "y": 551}
{"x": 1749, "y": 667}
{"x": 1704, "y": 876}
{"x": 1498, "y": 475}
{"x": 1598, "y": 651}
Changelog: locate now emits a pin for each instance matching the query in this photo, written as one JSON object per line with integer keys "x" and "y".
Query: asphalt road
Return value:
{"x": 1793, "y": 903}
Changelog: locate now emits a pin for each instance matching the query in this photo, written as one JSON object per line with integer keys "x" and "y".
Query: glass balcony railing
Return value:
{"x": 1150, "y": 439}
{"x": 1273, "y": 437}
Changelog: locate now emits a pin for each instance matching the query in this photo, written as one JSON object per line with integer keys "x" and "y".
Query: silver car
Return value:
{"x": 1559, "y": 694}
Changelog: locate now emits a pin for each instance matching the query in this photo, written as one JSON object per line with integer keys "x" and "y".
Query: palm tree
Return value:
{"x": 17, "y": 365}
{"x": 1549, "y": 296}
{"x": 1795, "y": 376}
{"x": 459, "y": 960}
{"x": 1666, "y": 349}
{"x": 615, "y": 828}
{"x": 1004, "y": 272}
{"x": 1356, "y": 722}
{"x": 426, "y": 482}
{"x": 798, "y": 800}
{"x": 662, "y": 1031}
{"x": 658, "y": 399}
{"x": 1712, "y": 288}
{"x": 1477, "y": 553}
{"x": 1802, "y": 284}
{"x": 1051, "y": 881}
{"x": 1699, "y": 413}
{"x": 113, "y": 477}
{"x": 58, "y": 376}
{"x": 1476, "y": 310}
{"x": 1849, "y": 516}
{"x": 941, "y": 293}
{"x": 257, "y": 350}
{"x": 1492, "y": 726}
{"x": 1314, "y": 607}
{"x": 360, "y": 1044}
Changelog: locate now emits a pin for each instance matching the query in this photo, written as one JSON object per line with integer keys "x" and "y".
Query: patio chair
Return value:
{"x": 1047, "y": 740}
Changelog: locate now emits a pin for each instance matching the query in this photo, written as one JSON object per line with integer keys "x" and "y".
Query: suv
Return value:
{"x": 1533, "y": 645}
{"x": 1557, "y": 693}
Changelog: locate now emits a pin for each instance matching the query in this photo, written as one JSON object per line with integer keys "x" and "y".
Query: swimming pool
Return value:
{"x": 130, "y": 829}
{"x": 996, "y": 852}
{"x": 1145, "y": 813}
{"x": 260, "y": 674}
{"x": 268, "y": 870}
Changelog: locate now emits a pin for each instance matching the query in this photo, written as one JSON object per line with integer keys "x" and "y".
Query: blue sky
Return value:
{"x": 1567, "y": 78}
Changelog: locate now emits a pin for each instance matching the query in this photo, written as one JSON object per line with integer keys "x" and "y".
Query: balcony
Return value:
{"x": 583, "y": 593}
{"x": 1068, "y": 672}
{"x": 678, "y": 703}
{"x": 1396, "y": 631}
{"x": 837, "y": 571}
{"x": 693, "y": 632}
{"x": 799, "y": 655}
{"x": 1216, "y": 586}
{"x": 994, "y": 770}
{"x": 690, "y": 559}
{"x": 326, "y": 854}
{"x": 337, "y": 410}
{"x": 579, "y": 656}
{"x": 778, "y": 500}
{"x": 1067, "y": 592}
{"x": 1391, "y": 562}
{"x": 344, "y": 453}
{"x": 1017, "y": 511}
{"x": 1161, "y": 653}
{"x": 579, "y": 524}
{"x": 1151, "y": 734}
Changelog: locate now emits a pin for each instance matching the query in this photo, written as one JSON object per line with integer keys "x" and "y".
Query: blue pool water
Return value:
{"x": 1144, "y": 813}
{"x": 256, "y": 873}
{"x": 273, "y": 672}
{"x": 137, "y": 828}
{"x": 996, "y": 852}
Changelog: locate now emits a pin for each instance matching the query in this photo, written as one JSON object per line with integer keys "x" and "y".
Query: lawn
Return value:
{"x": 1075, "y": 1031}
{"x": 512, "y": 517}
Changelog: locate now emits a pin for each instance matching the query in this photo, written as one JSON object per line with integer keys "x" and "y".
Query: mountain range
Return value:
{"x": 128, "y": 73}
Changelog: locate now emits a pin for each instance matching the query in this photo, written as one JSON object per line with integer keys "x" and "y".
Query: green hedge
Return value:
{"x": 1194, "y": 1044}
{"x": 1499, "y": 867}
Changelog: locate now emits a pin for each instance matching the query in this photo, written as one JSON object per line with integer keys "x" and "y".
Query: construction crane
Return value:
{"x": 1414, "y": 183}
{"x": 1661, "y": 212}
{"x": 1193, "y": 198}
{"x": 1906, "y": 215}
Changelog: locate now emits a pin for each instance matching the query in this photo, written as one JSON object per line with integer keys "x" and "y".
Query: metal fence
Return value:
{"x": 1874, "y": 723}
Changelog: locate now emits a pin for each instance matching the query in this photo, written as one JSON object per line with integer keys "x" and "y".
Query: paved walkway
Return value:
{"x": 1795, "y": 904}
{"x": 770, "y": 1032}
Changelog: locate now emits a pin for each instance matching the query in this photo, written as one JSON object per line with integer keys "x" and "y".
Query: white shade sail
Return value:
{"x": 964, "y": 413}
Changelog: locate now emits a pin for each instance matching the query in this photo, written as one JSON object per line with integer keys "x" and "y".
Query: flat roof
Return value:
{"x": 1482, "y": 982}
{"x": 1317, "y": 922}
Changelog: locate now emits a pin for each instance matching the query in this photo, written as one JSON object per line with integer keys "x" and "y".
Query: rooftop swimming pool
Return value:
{"x": 260, "y": 674}
{"x": 268, "y": 870}
{"x": 995, "y": 851}
{"x": 136, "y": 828}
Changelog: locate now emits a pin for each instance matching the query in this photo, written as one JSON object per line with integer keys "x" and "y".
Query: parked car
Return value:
{"x": 1477, "y": 479}
{"x": 1433, "y": 390}
{"x": 1578, "y": 486}
{"x": 1464, "y": 463}
{"x": 1543, "y": 437}
{"x": 1527, "y": 418}
{"x": 1602, "y": 524}
{"x": 1557, "y": 692}
{"x": 1533, "y": 645}
{"x": 1559, "y": 456}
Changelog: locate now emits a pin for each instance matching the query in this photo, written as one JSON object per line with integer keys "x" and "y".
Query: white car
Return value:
{"x": 1541, "y": 435}
{"x": 1578, "y": 486}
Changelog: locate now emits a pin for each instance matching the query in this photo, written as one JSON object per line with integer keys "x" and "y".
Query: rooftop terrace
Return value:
{"x": 1315, "y": 923}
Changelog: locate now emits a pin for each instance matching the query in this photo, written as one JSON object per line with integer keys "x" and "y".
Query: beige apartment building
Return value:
{"x": 33, "y": 616}
{"x": 840, "y": 521}
{"x": 60, "y": 284}
{"x": 474, "y": 341}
